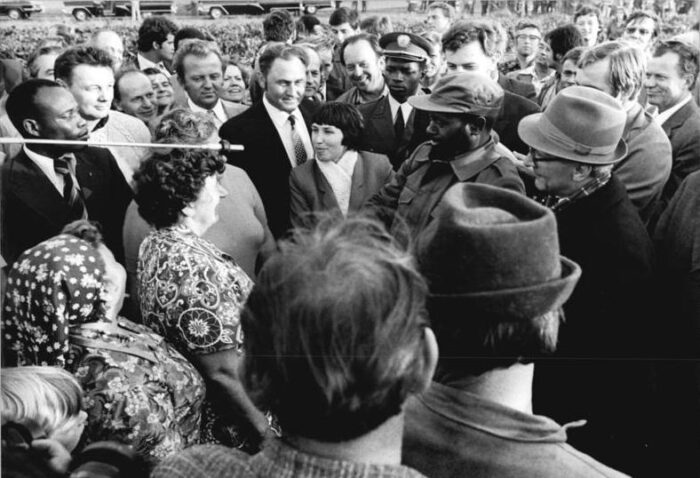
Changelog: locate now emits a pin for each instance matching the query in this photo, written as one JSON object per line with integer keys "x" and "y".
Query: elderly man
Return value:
{"x": 315, "y": 82}
{"x": 491, "y": 321}
{"x": 473, "y": 46}
{"x": 392, "y": 126}
{"x": 335, "y": 341}
{"x": 642, "y": 28}
{"x": 110, "y": 42}
{"x": 46, "y": 186}
{"x": 618, "y": 69}
{"x": 87, "y": 73}
{"x": 597, "y": 375}
{"x": 155, "y": 44}
{"x": 363, "y": 61}
{"x": 200, "y": 72}
{"x": 274, "y": 131}
{"x": 671, "y": 76}
{"x": 134, "y": 95}
{"x": 462, "y": 110}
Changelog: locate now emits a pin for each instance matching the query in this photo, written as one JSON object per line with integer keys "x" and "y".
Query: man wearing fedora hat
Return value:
{"x": 497, "y": 284}
{"x": 597, "y": 376}
{"x": 462, "y": 110}
{"x": 392, "y": 126}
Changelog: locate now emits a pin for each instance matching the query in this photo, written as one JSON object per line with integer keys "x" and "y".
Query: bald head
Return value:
{"x": 110, "y": 42}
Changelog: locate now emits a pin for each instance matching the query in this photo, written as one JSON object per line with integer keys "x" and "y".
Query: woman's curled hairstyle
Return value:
{"x": 167, "y": 183}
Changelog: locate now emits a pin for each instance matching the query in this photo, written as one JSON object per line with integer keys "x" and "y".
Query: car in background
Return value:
{"x": 218, "y": 8}
{"x": 85, "y": 9}
{"x": 17, "y": 10}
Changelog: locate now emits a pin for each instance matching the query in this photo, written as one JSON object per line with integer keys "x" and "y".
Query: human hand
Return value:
{"x": 58, "y": 458}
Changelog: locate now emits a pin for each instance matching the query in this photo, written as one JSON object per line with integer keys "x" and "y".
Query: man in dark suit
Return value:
{"x": 392, "y": 126}
{"x": 671, "y": 76}
{"x": 46, "y": 186}
{"x": 473, "y": 46}
{"x": 274, "y": 132}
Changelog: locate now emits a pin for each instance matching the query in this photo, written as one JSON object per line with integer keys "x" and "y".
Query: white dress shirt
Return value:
{"x": 339, "y": 176}
{"x": 405, "y": 109}
{"x": 662, "y": 117}
{"x": 219, "y": 115}
{"x": 46, "y": 165}
{"x": 284, "y": 128}
{"x": 144, "y": 63}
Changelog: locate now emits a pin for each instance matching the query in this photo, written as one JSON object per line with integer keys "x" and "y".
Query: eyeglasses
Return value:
{"x": 528, "y": 37}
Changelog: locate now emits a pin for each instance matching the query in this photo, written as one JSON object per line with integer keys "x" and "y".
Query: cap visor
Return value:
{"x": 423, "y": 102}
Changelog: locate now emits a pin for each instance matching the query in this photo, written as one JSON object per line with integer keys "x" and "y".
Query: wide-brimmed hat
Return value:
{"x": 581, "y": 124}
{"x": 467, "y": 92}
{"x": 495, "y": 252}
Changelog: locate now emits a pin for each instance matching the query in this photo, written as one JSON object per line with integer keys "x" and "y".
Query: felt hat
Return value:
{"x": 405, "y": 46}
{"x": 581, "y": 124}
{"x": 466, "y": 92}
{"x": 495, "y": 252}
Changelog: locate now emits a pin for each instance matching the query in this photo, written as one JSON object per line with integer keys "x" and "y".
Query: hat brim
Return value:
{"x": 530, "y": 132}
{"x": 402, "y": 55}
{"x": 523, "y": 302}
{"x": 424, "y": 103}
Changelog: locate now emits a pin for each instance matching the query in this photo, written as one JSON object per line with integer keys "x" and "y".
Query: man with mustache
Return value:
{"x": 392, "y": 126}
{"x": 462, "y": 111}
{"x": 46, "y": 186}
{"x": 363, "y": 61}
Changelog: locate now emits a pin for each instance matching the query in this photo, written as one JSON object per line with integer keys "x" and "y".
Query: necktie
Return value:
{"x": 299, "y": 150}
{"x": 399, "y": 127}
{"x": 65, "y": 166}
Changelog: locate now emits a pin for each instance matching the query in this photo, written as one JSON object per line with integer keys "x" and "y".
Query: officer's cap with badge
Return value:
{"x": 405, "y": 46}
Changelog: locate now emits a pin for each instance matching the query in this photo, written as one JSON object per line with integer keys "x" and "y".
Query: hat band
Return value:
{"x": 555, "y": 135}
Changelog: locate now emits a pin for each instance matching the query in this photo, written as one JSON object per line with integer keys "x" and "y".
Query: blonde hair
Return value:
{"x": 43, "y": 399}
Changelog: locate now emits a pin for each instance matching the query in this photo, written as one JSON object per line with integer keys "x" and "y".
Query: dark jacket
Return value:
{"x": 683, "y": 130}
{"x": 520, "y": 88}
{"x": 33, "y": 210}
{"x": 264, "y": 159}
{"x": 513, "y": 110}
{"x": 311, "y": 192}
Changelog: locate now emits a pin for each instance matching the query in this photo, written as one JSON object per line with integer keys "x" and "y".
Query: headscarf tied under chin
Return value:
{"x": 52, "y": 286}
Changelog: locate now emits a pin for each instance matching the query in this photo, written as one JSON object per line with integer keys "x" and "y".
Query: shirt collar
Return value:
{"x": 661, "y": 118}
{"x": 279, "y": 117}
{"x": 406, "y": 108}
{"x": 346, "y": 162}
{"x": 218, "y": 109}
{"x": 40, "y": 159}
{"x": 471, "y": 163}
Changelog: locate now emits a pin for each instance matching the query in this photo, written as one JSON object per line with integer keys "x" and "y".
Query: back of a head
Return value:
{"x": 627, "y": 66}
{"x": 344, "y": 15}
{"x": 184, "y": 126}
{"x": 562, "y": 39}
{"x": 154, "y": 30}
{"x": 334, "y": 340}
{"x": 278, "y": 26}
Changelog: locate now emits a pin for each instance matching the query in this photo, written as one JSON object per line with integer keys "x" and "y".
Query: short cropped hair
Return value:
{"x": 344, "y": 15}
{"x": 279, "y": 50}
{"x": 627, "y": 66}
{"x": 334, "y": 331}
{"x": 184, "y": 126}
{"x": 465, "y": 32}
{"x": 167, "y": 183}
{"x": 194, "y": 47}
{"x": 41, "y": 51}
{"x": 191, "y": 33}
{"x": 562, "y": 39}
{"x": 347, "y": 118}
{"x": 376, "y": 25}
{"x": 372, "y": 40}
{"x": 306, "y": 23}
{"x": 278, "y": 26}
{"x": 574, "y": 55}
{"x": 447, "y": 10}
{"x": 21, "y": 102}
{"x": 76, "y": 56}
{"x": 641, "y": 14}
{"x": 118, "y": 78}
{"x": 154, "y": 30}
{"x": 526, "y": 24}
{"x": 688, "y": 61}
{"x": 43, "y": 399}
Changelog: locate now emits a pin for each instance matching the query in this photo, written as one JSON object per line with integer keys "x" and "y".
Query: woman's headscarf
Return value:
{"x": 53, "y": 285}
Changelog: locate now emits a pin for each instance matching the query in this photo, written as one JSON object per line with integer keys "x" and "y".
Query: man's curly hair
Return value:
{"x": 167, "y": 183}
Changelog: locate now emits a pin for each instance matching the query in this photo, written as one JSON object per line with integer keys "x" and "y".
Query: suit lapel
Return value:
{"x": 357, "y": 186}
{"x": 325, "y": 191}
{"x": 383, "y": 120}
{"x": 678, "y": 118}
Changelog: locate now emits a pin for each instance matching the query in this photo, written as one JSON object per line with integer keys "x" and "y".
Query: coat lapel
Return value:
{"x": 325, "y": 191}
{"x": 358, "y": 184}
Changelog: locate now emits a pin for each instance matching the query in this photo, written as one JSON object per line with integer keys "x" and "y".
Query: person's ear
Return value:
{"x": 581, "y": 172}
{"x": 430, "y": 359}
{"x": 31, "y": 126}
{"x": 156, "y": 46}
{"x": 61, "y": 82}
{"x": 381, "y": 62}
{"x": 688, "y": 79}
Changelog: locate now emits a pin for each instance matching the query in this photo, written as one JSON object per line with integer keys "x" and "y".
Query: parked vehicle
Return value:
{"x": 218, "y": 8}
{"x": 85, "y": 9}
{"x": 19, "y": 9}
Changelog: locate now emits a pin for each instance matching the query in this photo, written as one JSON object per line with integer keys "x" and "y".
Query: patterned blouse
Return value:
{"x": 191, "y": 292}
{"x": 138, "y": 389}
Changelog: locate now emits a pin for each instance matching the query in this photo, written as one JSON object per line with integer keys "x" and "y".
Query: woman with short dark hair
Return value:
{"x": 340, "y": 178}
{"x": 190, "y": 291}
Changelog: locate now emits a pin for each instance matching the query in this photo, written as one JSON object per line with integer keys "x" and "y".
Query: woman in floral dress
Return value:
{"x": 60, "y": 309}
{"x": 191, "y": 292}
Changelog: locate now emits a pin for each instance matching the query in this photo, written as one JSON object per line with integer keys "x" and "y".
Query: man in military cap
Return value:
{"x": 461, "y": 111}
{"x": 392, "y": 126}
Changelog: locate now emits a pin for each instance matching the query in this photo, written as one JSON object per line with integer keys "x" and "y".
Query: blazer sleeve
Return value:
{"x": 299, "y": 207}
{"x": 383, "y": 204}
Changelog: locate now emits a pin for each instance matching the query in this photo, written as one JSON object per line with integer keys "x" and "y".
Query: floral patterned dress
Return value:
{"x": 192, "y": 294}
{"x": 138, "y": 389}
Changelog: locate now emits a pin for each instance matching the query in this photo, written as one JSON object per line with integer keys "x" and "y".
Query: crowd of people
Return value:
{"x": 459, "y": 250}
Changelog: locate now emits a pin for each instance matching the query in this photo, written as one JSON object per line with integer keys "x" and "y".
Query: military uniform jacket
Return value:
{"x": 409, "y": 199}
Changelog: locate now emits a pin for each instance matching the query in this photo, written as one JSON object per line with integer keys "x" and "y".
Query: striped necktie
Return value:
{"x": 299, "y": 150}
{"x": 65, "y": 166}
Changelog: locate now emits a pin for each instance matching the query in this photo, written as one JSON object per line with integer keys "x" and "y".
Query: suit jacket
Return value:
{"x": 33, "y": 210}
{"x": 683, "y": 130}
{"x": 513, "y": 110}
{"x": 230, "y": 108}
{"x": 311, "y": 191}
{"x": 521, "y": 88}
{"x": 379, "y": 136}
{"x": 264, "y": 159}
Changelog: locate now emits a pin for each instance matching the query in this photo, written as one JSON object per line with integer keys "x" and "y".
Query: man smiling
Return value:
{"x": 363, "y": 61}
